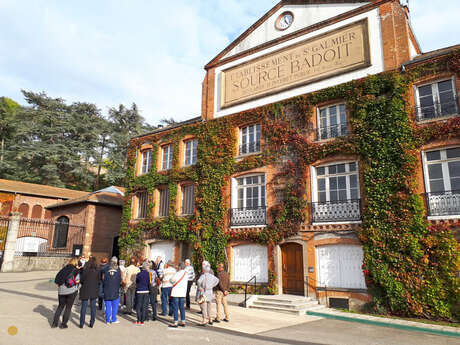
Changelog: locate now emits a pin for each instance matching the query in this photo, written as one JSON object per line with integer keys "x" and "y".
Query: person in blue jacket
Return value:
{"x": 111, "y": 283}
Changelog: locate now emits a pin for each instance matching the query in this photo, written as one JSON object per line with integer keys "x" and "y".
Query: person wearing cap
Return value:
{"x": 142, "y": 293}
{"x": 111, "y": 282}
{"x": 166, "y": 287}
{"x": 191, "y": 277}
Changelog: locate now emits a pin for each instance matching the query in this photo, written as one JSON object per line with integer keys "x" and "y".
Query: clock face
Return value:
{"x": 284, "y": 20}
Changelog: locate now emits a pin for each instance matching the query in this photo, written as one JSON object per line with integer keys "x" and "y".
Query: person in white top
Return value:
{"x": 178, "y": 292}
{"x": 191, "y": 277}
{"x": 166, "y": 286}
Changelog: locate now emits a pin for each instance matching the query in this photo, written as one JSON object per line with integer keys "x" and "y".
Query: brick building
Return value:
{"x": 297, "y": 49}
{"x": 51, "y": 218}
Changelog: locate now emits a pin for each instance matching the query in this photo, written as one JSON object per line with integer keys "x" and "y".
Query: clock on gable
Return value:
{"x": 284, "y": 20}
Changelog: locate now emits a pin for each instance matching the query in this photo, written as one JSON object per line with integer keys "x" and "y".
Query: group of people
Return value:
{"x": 137, "y": 287}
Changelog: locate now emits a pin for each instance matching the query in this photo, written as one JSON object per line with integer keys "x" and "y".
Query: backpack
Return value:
{"x": 71, "y": 280}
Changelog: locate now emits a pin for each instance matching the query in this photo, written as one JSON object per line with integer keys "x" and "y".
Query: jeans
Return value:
{"x": 187, "y": 296}
{"x": 65, "y": 301}
{"x": 142, "y": 306}
{"x": 111, "y": 310}
{"x": 165, "y": 292}
{"x": 178, "y": 304}
{"x": 84, "y": 305}
{"x": 153, "y": 302}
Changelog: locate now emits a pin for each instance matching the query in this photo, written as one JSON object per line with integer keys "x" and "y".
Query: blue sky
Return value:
{"x": 144, "y": 51}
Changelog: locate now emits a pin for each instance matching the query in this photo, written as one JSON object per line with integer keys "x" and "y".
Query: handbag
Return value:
{"x": 202, "y": 299}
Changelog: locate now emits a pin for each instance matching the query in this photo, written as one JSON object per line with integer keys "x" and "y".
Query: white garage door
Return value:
{"x": 250, "y": 260}
{"x": 31, "y": 244}
{"x": 340, "y": 266}
{"x": 164, "y": 249}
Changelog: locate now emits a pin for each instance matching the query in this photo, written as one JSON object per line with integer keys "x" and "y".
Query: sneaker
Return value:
{"x": 136, "y": 323}
{"x": 141, "y": 324}
{"x": 63, "y": 326}
{"x": 173, "y": 325}
{"x": 210, "y": 322}
{"x": 116, "y": 321}
{"x": 182, "y": 324}
{"x": 226, "y": 320}
{"x": 216, "y": 320}
{"x": 107, "y": 323}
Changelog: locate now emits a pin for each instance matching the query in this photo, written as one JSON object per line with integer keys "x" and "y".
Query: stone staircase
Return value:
{"x": 290, "y": 304}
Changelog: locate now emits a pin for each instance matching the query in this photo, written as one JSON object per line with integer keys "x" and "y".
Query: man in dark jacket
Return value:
{"x": 111, "y": 283}
{"x": 222, "y": 292}
{"x": 103, "y": 266}
{"x": 142, "y": 293}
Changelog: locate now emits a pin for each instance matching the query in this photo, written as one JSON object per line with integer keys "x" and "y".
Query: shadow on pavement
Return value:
{"x": 45, "y": 312}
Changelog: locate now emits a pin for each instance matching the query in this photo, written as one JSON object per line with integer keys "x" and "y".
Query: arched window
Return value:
{"x": 24, "y": 210}
{"x": 61, "y": 230}
{"x": 37, "y": 211}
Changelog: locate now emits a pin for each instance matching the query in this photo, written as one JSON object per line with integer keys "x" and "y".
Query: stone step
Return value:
{"x": 288, "y": 310}
{"x": 297, "y": 306}
{"x": 287, "y": 300}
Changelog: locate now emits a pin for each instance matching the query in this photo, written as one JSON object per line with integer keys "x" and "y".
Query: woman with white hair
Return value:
{"x": 111, "y": 282}
{"x": 205, "y": 293}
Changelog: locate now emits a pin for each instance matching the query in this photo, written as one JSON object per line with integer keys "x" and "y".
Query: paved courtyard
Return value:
{"x": 28, "y": 301}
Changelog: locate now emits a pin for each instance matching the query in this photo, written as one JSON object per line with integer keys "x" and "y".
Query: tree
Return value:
{"x": 125, "y": 124}
{"x": 8, "y": 110}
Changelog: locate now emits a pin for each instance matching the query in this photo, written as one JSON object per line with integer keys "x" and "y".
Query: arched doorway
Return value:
{"x": 292, "y": 260}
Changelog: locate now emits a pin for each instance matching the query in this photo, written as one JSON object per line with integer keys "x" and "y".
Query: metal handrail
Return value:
{"x": 330, "y": 132}
{"x": 437, "y": 109}
{"x": 325, "y": 288}
{"x": 443, "y": 203}
{"x": 318, "y": 217}
{"x": 246, "y": 288}
{"x": 235, "y": 212}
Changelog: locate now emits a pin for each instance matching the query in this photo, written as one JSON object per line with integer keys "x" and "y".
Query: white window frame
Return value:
{"x": 314, "y": 180}
{"x": 160, "y": 204}
{"x": 146, "y": 167}
{"x": 235, "y": 189}
{"x": 166, "y": 157}
{"x": 444, "y": 164}
{"x": 191, "y": 158}
{"x": 192, "y": 200}
{"x": 436, "y": 98}
{"x": 138, "y": 204}
{"x": 257, "y": 136}
{"x": 328, "y": 120}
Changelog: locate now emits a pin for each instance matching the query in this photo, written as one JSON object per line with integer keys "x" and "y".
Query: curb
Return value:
{"x": 387, "y": 324}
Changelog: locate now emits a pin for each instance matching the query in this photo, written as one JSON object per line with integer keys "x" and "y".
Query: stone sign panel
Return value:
{"x": 332, "y": 53}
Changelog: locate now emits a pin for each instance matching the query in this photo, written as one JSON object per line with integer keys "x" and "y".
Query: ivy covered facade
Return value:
{"x": 349, "y": 190}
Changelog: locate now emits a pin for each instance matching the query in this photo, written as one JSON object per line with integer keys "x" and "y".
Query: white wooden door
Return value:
{"x": 164, "y": 249}
{"x": 340, "y": 266}
{"x": 250, "y": 260}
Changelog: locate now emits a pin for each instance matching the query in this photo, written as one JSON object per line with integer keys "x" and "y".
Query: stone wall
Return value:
{"x": 34, "y": 263}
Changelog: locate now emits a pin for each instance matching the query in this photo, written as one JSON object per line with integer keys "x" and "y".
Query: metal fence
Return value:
{"x": 40, "y": 237}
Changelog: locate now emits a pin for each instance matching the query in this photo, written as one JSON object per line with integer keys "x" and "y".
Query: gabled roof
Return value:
{"x": 111, "y": 196}
{"x": 18, "y": 187}
{"x": 370, "y": 5}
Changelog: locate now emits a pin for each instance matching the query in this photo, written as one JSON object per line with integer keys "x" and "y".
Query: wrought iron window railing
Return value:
{"x": 248, "y": 216}
{"x": 248, "y": 148}
{"x": 336, "y": 211}
{"x": 330, "y": 132}
{"x": 437, "y": 109}
{"x": 443, "y": 203}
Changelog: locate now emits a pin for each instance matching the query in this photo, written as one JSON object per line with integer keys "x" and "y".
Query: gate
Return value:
{"x": 42, "y": 237}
